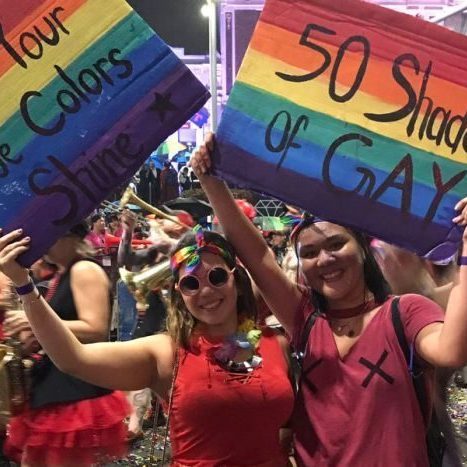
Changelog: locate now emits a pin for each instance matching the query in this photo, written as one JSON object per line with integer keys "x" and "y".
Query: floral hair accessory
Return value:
{"x": 191, "y": 254}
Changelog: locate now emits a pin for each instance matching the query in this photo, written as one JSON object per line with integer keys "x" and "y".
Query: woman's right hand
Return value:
{"x": 128, "y": 220}
{"x": 11, "y": 246}
{"x": 201, "y": 160}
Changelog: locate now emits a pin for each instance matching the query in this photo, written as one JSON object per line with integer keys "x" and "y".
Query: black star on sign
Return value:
{"x": 162, "y": 105}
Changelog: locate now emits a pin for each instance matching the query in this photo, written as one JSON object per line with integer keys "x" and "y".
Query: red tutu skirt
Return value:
{"x": 74, "y": 433}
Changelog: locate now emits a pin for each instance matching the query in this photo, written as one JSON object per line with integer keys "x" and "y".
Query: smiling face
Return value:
{"x": 215, "y": 308}
{"x": 331, "y": 261}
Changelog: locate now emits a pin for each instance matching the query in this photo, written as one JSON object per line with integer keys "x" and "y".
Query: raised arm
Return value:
{"x": 123, "y": 365}
{"x": 446, "y": 344}
{"x": 282, "y": 296}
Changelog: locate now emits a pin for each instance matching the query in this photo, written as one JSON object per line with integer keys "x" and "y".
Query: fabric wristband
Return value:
{"x": 462, "y": 261}
{"x": 25, "y": 289}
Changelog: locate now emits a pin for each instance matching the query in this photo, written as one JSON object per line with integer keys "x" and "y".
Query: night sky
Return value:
{"x": 178, "y": 22}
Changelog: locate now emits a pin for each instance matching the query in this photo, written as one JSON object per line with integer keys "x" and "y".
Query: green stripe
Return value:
{"x": 127, "y": 36}
{"x": 323, "y": 130}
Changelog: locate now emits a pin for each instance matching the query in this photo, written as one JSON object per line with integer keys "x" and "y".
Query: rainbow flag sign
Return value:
{"x": 88, "y": 91}
{"x": 355, "y": 113}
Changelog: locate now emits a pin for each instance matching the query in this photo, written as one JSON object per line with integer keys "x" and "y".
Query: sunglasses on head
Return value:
{"x": 217, "y": 277}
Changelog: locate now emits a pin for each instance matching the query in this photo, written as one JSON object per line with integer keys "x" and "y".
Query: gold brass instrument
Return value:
{"x": 15, "y": 371}
{"x": 108, "y": 206}
{"x": 130, "y": 197}
{"x": 141, "y": 283}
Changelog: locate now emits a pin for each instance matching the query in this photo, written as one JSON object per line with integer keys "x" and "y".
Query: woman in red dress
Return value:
{"x": 224, "y": 382}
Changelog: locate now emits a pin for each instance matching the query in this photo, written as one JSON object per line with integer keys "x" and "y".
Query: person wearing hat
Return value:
{"x": 69, "y": 421}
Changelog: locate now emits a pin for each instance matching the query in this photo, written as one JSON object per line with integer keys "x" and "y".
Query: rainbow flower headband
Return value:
{"x": 191, "y": 254}
{"x": 297, "y": 222}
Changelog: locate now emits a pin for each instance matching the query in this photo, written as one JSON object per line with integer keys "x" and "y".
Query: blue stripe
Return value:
{"x": 308, "y": 160}
{"x": 152, "y": 63}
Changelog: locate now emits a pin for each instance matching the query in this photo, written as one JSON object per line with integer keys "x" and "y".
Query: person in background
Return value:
{"x": 184, "y": 179}
{"x": 224, "y": 381}
{"x": 408, "y": 273}
{"x": 148, "y": 187}
{"x": 169, "y": 183}
{"x": 155, "y": 184}
{"x": 194, "y": 180}
{"x": 356, "y": 403}
{"x": 68, "y": 421}
{"x": 114, "y": 225}
{"x": 96, "y": 237}
{"x": 142, "y": 314}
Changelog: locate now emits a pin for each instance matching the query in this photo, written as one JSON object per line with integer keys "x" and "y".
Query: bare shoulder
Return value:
{"x": 85, "y": 270}
{"x": 85, "y": 266}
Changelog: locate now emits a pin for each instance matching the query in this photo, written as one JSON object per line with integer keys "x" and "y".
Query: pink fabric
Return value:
{"x": 347, "y": 413}
{"x": 96, "y": 240}
{"x": 220, "y": 418}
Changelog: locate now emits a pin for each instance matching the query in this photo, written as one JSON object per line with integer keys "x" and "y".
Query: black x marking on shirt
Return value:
{"x": 305, "y": 377}
{"x": 376, "y": 369}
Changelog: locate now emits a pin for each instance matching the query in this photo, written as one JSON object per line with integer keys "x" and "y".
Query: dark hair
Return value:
{"x": 180, "y": 323}
{"x": 80, "y": 230}
{"x": 372, "y": 274}
{"x": 96, "y": 217}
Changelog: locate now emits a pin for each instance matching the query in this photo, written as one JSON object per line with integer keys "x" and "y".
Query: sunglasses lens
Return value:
{"x": 218, "y": 276}
{"x": 189, "y": 284}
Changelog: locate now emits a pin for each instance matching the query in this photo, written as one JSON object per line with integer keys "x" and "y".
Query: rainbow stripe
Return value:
{"x": 88, "y": 91}
{"x": 351, "y": 187}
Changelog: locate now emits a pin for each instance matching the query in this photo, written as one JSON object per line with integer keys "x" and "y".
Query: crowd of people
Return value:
{"x": 209, "y": 333}
{"x": 159, "y": 185}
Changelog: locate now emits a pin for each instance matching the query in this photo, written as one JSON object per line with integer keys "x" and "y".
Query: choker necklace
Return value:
{"x": 333, "y": 316}
{"x": 246, "y": 339}
{"x": 343, "y": 313}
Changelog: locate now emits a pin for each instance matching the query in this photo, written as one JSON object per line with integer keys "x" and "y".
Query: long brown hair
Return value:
{"x": 180, "y": 322}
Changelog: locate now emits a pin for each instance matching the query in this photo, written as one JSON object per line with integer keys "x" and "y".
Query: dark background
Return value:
{"x": 178, "y": 22}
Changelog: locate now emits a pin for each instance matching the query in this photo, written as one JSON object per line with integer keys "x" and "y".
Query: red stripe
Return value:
{"x": 25, "y": 18}
{"x": 390, "y": 33}
{"x": 13, "y": 12}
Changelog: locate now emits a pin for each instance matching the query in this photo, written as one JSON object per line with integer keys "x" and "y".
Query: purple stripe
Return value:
{"x": 144, "y": 128}
{"x": 385, "y": 222}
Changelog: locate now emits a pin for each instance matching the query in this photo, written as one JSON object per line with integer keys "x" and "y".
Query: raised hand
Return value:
{"x": 201, "y": 160}
{"x": 128, "y": 220}
{"x": 461, "y": 218}
{"x": 11, "y": 246}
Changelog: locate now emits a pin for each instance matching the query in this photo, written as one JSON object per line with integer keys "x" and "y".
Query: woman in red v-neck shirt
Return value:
{"x": 356, "y": 404}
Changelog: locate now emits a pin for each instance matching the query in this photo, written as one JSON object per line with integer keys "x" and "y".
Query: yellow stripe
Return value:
{"x": 86, "y": 26}
{"x": 259, "y": 70}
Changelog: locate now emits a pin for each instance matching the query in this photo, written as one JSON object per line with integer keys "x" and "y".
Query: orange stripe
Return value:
{"x": 378, "y": 81}
{"x": 35, "y": 19}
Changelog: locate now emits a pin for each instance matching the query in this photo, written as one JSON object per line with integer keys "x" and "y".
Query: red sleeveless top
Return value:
{"x": 229, "y": 419}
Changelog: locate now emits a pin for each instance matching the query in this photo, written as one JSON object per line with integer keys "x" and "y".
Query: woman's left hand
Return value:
{"x": 11, "y": 246}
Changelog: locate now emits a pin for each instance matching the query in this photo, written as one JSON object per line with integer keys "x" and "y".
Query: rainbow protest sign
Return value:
{"x": 355, "y": 113}
{"x": 88, "y": 91}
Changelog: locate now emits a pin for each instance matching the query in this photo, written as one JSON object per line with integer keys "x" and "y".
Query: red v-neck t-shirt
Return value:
{"x": 361, "y": 410}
